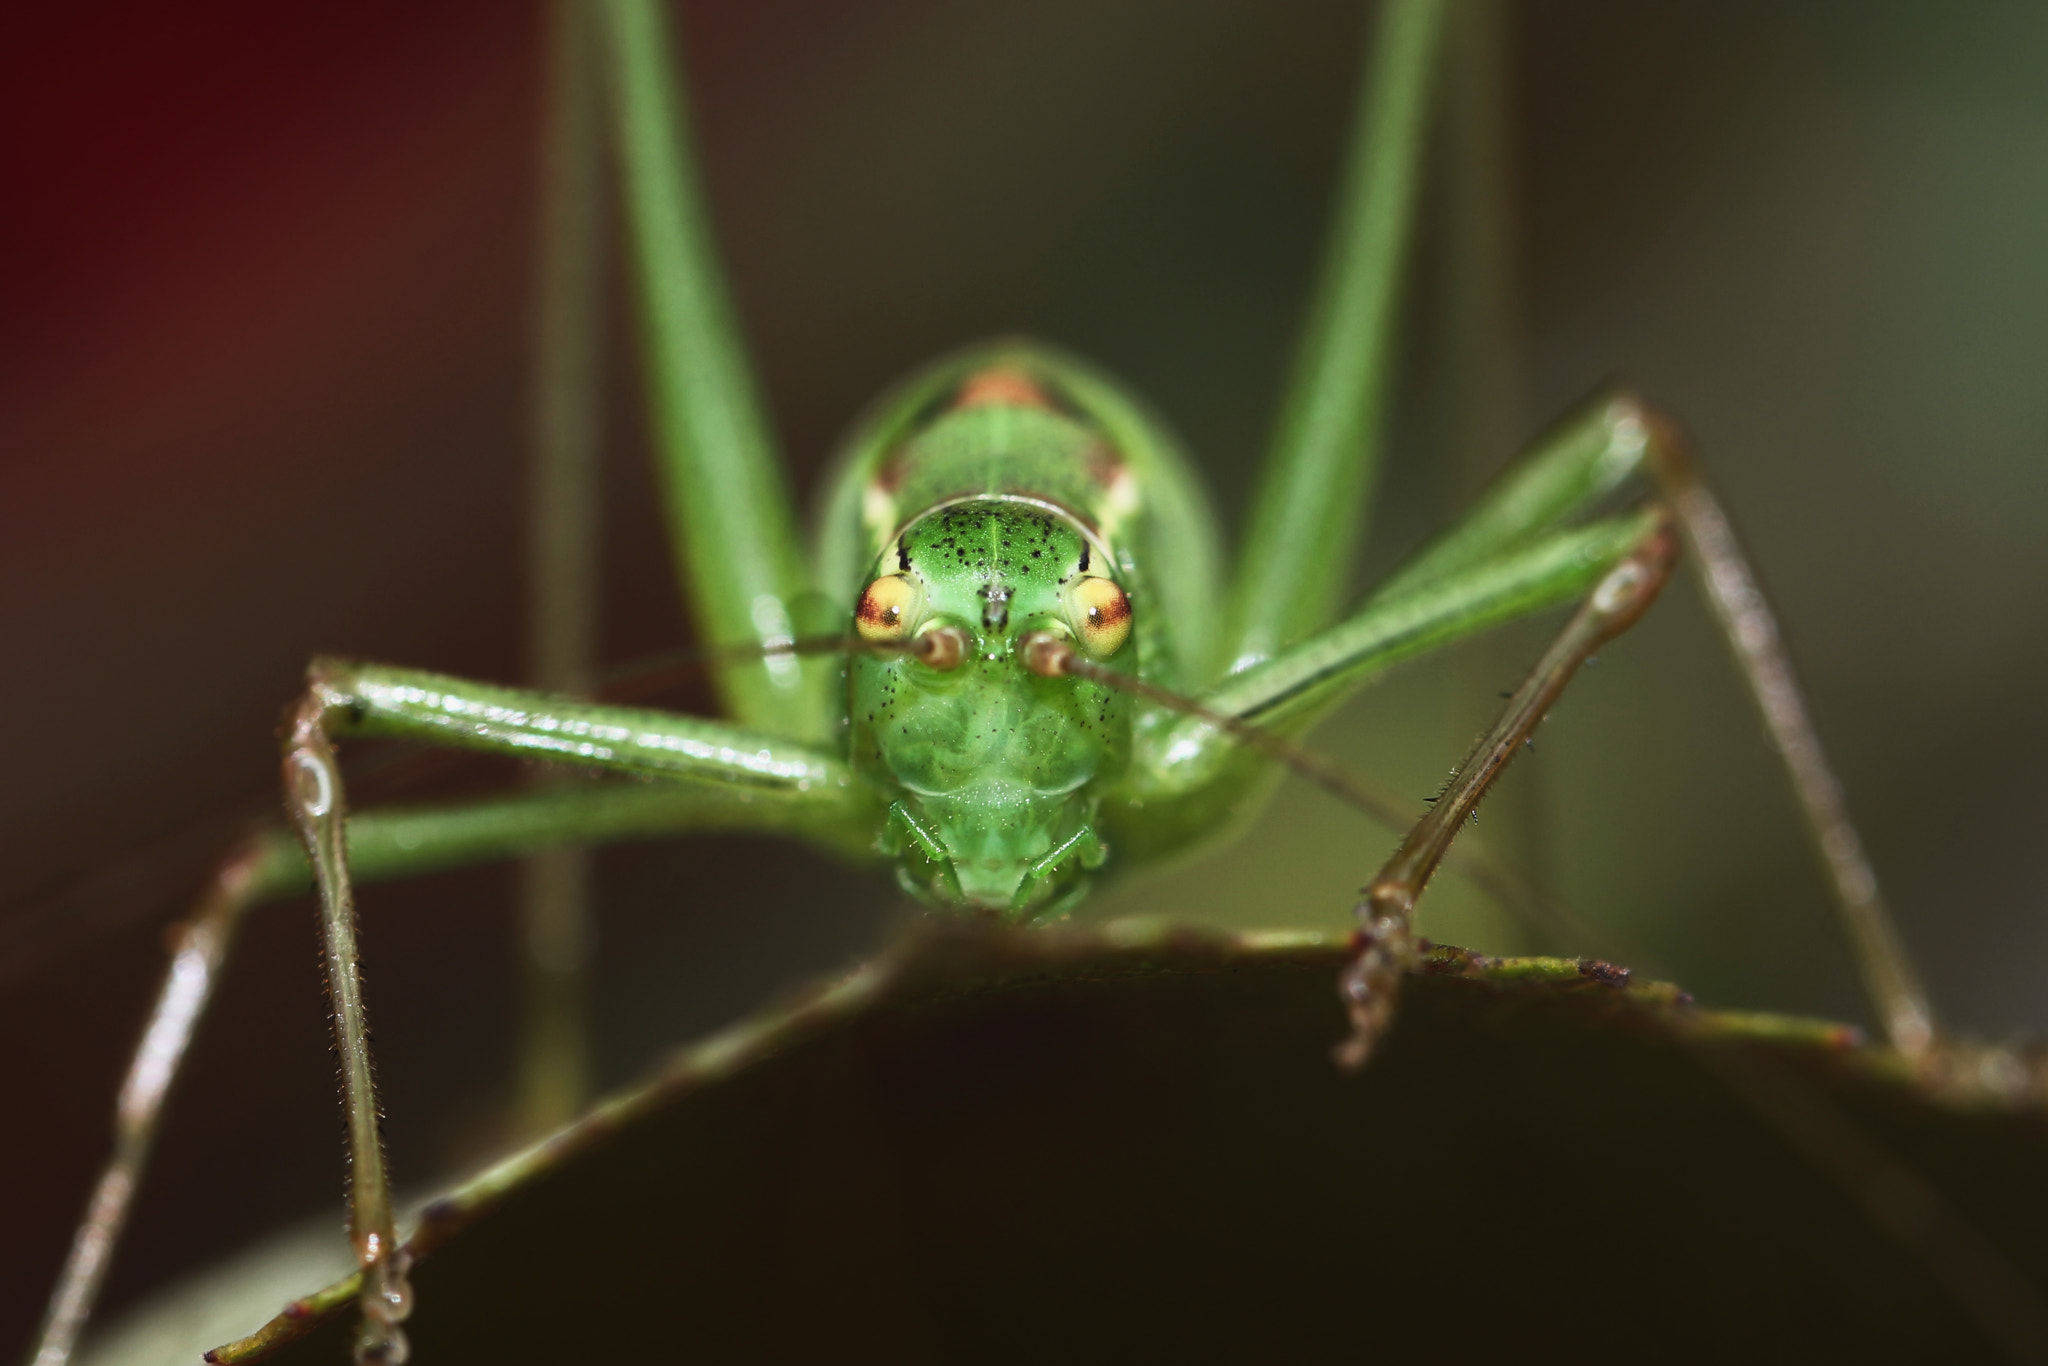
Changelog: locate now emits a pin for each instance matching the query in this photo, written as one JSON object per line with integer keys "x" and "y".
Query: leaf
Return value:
{"x": 1132, "y": 1143}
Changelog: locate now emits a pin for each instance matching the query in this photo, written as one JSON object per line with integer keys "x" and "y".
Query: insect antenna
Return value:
{"x": 657, "y": 674}
{"x": 48, "y": 924}
{"x": 1049, "y": 655}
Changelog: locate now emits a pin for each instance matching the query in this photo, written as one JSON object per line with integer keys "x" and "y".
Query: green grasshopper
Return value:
{"x": 1012, "y": 664}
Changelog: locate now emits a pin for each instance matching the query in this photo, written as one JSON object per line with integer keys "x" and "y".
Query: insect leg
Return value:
{"x": 1304, "y": 519}
{"x": 563, "y": 563}
{"x": 1188, "y": 774}
{"x": 313, "y": 797}
{"x": 1751, "y": 629}
{"x": 1513, "y": 552}
{"x": 1610, "y": 439}
{"x": 1616, "y": 436}
{"x": 408, "y": 702}
{"x": 1492, "y": 565}
{"x": 200, "y": 950}
{"x": 394, "y": 843}
{"x": 1384, "y": 945}
{"x": 382, "y": 845}
{"x": 728, "y": 508}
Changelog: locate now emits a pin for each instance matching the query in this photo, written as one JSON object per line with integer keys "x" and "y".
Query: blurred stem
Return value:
{"x": 563, "y": 550}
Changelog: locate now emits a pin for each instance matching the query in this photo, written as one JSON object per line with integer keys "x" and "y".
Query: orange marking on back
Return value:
{"x": 1001, "y": 387}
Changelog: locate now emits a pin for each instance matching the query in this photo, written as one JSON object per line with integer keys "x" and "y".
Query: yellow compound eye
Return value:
{"x": 888, "y": 609}
{"x": 1099, "y": 613}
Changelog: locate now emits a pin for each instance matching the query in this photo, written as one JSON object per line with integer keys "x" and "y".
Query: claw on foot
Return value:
{"x": 1381, "y": 950}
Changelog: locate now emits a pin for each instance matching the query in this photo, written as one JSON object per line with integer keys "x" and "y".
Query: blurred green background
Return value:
{"x": 261, "y": 395}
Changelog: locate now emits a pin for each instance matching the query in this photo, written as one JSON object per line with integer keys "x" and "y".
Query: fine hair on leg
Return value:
{"x": 1384, "y": 945}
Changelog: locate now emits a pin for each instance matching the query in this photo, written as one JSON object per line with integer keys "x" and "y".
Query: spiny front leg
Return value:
{"x": 313, "y": 798}
{"x": 1384, "y": 946}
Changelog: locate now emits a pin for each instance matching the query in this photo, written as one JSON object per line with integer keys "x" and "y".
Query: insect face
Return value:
{"x": 995, "y": 770}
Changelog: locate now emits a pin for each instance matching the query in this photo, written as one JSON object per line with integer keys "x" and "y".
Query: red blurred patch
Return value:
{"x": 222, "y": 215}
{"x": 1001, "y": 387}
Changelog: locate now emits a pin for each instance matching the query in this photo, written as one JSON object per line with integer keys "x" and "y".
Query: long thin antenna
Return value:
{"x": 1486, "y": 871}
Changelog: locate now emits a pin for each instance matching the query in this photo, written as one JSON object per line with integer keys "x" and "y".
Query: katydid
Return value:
{"x": 1043, "y": 649}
